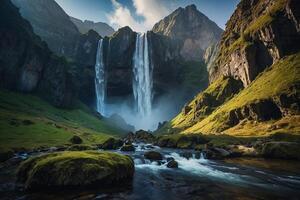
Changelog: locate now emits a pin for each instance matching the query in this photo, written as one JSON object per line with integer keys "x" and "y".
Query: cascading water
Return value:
{"x": 100, "y": 82}
{"x": 142, "y": 80}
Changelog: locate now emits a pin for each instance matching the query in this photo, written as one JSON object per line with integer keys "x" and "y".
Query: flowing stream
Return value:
{"x": 195, "y": 178}
{"x": 100, "y": 81}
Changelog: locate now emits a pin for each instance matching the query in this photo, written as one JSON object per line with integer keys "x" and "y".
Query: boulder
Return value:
{"x": 74, "y": 169}
{"x": 282, "y": 150}
{"x": 76, "y": 140}
{"x": 111, "y": 143}
{"x": 172, "y": 164}
{"x": 144, "y": 136}
{"x": 128, "y": 147}
{"x": 153, "y": 155}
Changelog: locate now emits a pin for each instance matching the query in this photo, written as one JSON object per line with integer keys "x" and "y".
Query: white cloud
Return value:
{"x": 150, "y": 10}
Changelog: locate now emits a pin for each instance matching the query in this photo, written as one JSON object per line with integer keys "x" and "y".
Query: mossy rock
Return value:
{"x": 74, "y": 169}
{"x": 5, "y": 154}
{"x": 81, "y": 147}
{"x": 282, "y": 150}
{"x": 111, "y": 143}
{"x": 76, "y": 140}
{"x": 128, "y": 147}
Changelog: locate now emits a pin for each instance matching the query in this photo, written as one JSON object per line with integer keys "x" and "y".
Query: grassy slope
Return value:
{"x": 274, "y": 81}
{"x": 51, "y": 126}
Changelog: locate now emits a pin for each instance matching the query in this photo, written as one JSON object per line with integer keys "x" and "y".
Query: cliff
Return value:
{"x": 254, "y": 74}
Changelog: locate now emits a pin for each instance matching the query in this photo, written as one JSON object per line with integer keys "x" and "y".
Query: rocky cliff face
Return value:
{"x": 26, "y": 63}
{"x": 52, "y": 24}
{"x": 192, "y": 28}
{"x": 254, "y": 74}
{"x": 101, "y": 28}
{"x": 258, "y": 34}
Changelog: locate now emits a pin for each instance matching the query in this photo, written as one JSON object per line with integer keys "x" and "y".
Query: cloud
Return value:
{"x": 151, "y": 11}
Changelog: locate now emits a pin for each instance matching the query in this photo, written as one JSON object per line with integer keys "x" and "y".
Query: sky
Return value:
{"x": 141, "y": 15}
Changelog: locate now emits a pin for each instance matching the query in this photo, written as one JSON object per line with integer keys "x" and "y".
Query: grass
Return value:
{"x": 275, "y": 80}
{"x": 26, "y": 121}
{"x": 217, "y": 93}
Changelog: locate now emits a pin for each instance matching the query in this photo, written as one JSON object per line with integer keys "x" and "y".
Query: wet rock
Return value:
{"x": 187, "y": 155}
{"x": 170, "y": 159}
{"x": 74, "y": 169}
{"x": 128, "y": 147}
{"x": 76, "y": 140}
{"x": 282, "y": 150}
{"x": 153, "y": 155}
{"x": 111, "y": 143}
{"x": 172, "y": 164}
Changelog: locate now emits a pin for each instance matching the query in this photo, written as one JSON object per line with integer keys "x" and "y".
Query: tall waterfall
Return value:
{"x": 142, "y": 80}
{"x": 100, "y": 81}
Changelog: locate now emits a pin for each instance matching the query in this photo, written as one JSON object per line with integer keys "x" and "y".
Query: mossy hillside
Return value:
{"x": 275, "y": 80}
{"x": 26, "y": 121}
{"x": 80, "y": 168}
{"x": 217, "y": 93}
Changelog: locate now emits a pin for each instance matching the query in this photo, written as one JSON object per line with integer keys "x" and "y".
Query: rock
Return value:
{"x": 244, "y": 56}
{"x": 282, "y": 150}
{"x": 170, "y": 159}
{"x": 111, "y": 143}
{"x": 128, "y": 147}
{"x": 187, "y": 155}
{"x": 76, "y": 140}
{"x": 6, "y": 154}
{"x": 80, "y": 147}
{"x": 144, "y": 136}
{"x": 153, "y": 155}
{"x": 216, "y": 153}
{"x": 27, "y": 122}
{"x": 172, "y": 164}
{"x": 74, "y": 169}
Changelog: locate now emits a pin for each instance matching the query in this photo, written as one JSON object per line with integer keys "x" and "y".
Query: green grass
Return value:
{"x": 275, "y": 80}
{"x": 49, "y": 126}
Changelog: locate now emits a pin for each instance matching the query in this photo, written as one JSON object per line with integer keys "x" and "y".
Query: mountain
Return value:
{"x": 101, "y": 28}
{"x": 188, "y": 25}
{"x": 255, "y": 76}
{"x": 51, "y": 23}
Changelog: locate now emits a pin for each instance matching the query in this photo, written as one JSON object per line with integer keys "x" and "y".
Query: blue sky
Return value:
{"x": 141, "y": 15}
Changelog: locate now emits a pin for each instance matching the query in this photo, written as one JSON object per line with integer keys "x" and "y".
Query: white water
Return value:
{"x": 142, "y": 76}
{"x": 100, "y": 82}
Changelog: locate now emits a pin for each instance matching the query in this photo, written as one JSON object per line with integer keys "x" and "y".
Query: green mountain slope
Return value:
{"x": 27, "y": 121}
{"x": 270, "y": 104}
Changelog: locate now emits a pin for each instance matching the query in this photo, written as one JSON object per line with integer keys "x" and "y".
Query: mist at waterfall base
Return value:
{"x": 164, "y": 108}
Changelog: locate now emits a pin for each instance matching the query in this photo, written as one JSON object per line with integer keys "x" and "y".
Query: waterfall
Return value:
{"x": 142, "y": 79}
{"x": 100, "y": 81}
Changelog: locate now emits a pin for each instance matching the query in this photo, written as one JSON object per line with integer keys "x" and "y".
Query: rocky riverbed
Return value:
{"x": 191, "y": 176}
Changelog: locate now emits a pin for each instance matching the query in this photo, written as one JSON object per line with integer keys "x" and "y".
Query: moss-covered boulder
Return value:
{"x": 73, "y": 169}
{"x": 128, "y": 147}
{"x": 76, "y": 140}
{"x": 282, "y": 150}
{"x": 111, "y": 143}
